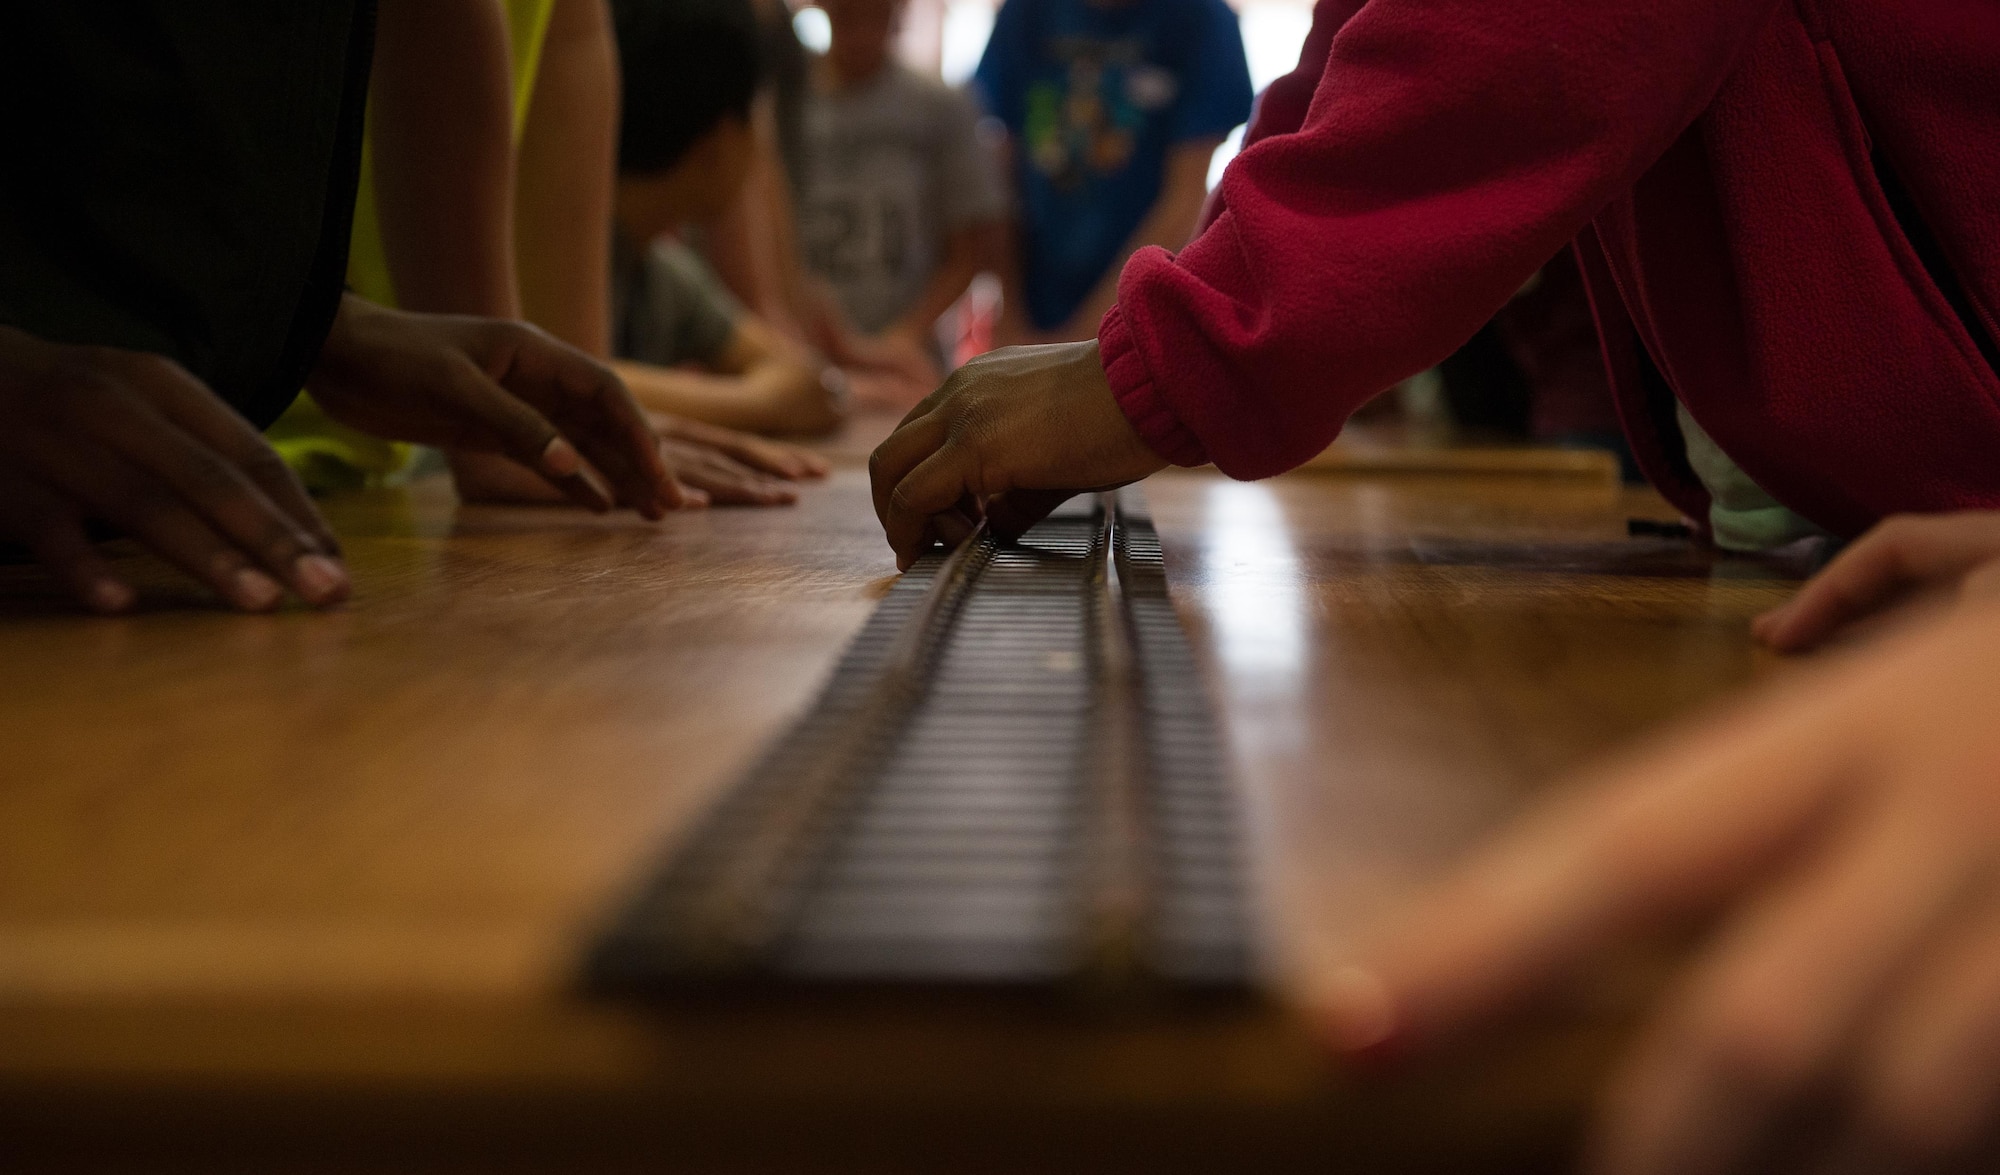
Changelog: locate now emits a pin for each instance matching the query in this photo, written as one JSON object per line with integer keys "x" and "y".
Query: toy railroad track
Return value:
{"x": 1011, "y": 780}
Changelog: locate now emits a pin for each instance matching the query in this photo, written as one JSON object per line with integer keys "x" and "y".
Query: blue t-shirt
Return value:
{"x": 1095, "y": 94}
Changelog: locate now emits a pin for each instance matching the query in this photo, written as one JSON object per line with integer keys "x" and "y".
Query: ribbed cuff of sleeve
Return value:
{"x": 1132, "y": 386}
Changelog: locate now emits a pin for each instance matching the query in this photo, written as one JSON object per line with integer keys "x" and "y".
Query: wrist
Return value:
{"x": 1139, "y": 398}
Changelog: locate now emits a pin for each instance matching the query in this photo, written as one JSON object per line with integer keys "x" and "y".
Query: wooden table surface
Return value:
{"x": 308, "y": 892}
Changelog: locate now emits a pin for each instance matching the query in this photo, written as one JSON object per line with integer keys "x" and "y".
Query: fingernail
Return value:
{"x": 1358, "y": 1015}
{"x": 252, "y": 589}
{"x": 560, "y": 458}
{"x": 109, "y": 595}
{"x": 320, "y": 579}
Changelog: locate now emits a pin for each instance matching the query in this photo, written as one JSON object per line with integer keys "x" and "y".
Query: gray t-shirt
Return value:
{"x": 667, "y": 306}
{"x": 891, "y": 169}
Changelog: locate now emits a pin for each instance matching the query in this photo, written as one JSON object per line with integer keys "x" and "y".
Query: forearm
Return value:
{"x": 752, "y": 247}
{"x": 562, "y": 218}
{"x": 1403, "y": 213}
{"x": 760, "y": 400}
{"x": 441, "y": 138}
{"x": 973, "y": 251}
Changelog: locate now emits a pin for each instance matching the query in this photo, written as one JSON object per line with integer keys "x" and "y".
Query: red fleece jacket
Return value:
{"x": 1791, "y": 207}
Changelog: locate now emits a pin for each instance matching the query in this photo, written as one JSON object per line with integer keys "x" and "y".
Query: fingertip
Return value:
{"x": 109, "y": 597}
{"x": 560, "y": 458}
{"x": 1356, "y": 1015}
{"x": 320, "y": 581}
{"x": 254, "y": 591}
{"x": 668, "y": 495}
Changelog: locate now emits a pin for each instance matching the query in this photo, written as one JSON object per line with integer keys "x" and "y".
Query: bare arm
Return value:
{"x": 753, "y": 246}
{"x": 1170, "y": 225}
{"x": 441, "y": 133}
{"x": 972, "y": 250}
{"x": 562, "y": 190}
{"x": 761, "y": 382}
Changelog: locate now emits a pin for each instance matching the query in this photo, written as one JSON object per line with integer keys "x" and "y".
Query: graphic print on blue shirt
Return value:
{"x": 1095, "y": 94}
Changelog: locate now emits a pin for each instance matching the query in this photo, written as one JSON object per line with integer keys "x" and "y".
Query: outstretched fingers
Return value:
{"x": 1902, "y": 554}
{"x": 1764, "y": 1019}
{"x": 225, "y": 499}
{"x": 1932, "y": 1088}
{"x": 596, "y": 413}
{"x": 1667, "y": 836}
{"x": 111, "y": 488}
{"x": 52, "y": 530}
{"x": 192, "y": 407}
{"x": 766, "y": 456}
{"x": 489, "y": 417}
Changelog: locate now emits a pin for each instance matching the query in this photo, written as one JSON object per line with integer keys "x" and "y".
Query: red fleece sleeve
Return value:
{"x": 1282, "y": 106}
{"x": 1450, "y": 148}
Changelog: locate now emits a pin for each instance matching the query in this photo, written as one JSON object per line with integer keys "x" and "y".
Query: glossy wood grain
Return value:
{"x": 308, "y": 891}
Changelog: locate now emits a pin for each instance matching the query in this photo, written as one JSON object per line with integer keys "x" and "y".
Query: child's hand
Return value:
{"x": 1908, "y": 556}
{"x": 764, "y": 456}
{"x": 135, "y": 441}
{"x": 486, "y": 385}
{"x": 714, "y": 464}
{"x": 1846, "y": 830}
{"x": 1013, "y": 433}
{"x": 722, "y": 479}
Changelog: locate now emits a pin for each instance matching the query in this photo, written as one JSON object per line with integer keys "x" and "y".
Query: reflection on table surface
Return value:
{"x": 260, "y": 875}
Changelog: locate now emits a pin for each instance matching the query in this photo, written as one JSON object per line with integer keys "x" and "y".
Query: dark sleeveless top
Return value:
{"x": 179, "y": 178}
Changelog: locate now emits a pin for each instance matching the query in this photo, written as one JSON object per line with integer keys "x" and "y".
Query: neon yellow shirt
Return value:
{"x": 326, "y": 454}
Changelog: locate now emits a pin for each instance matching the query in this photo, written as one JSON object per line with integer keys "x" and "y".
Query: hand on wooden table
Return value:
{"x": 713, "y": 464}
{"x": 135, "y": 441}
{"x": 1843, "y": 834}
{"x": 1906, "y": 559}
{"x": 1010, "y": 435}
{"x": 492, "y": 386}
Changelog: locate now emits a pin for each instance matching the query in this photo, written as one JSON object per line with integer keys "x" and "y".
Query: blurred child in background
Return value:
{"x": 485, "y": 189}
{"x": 1114, "y": 109}
{"x": 685, "y": 146}
{"x": 900, "y": 204}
